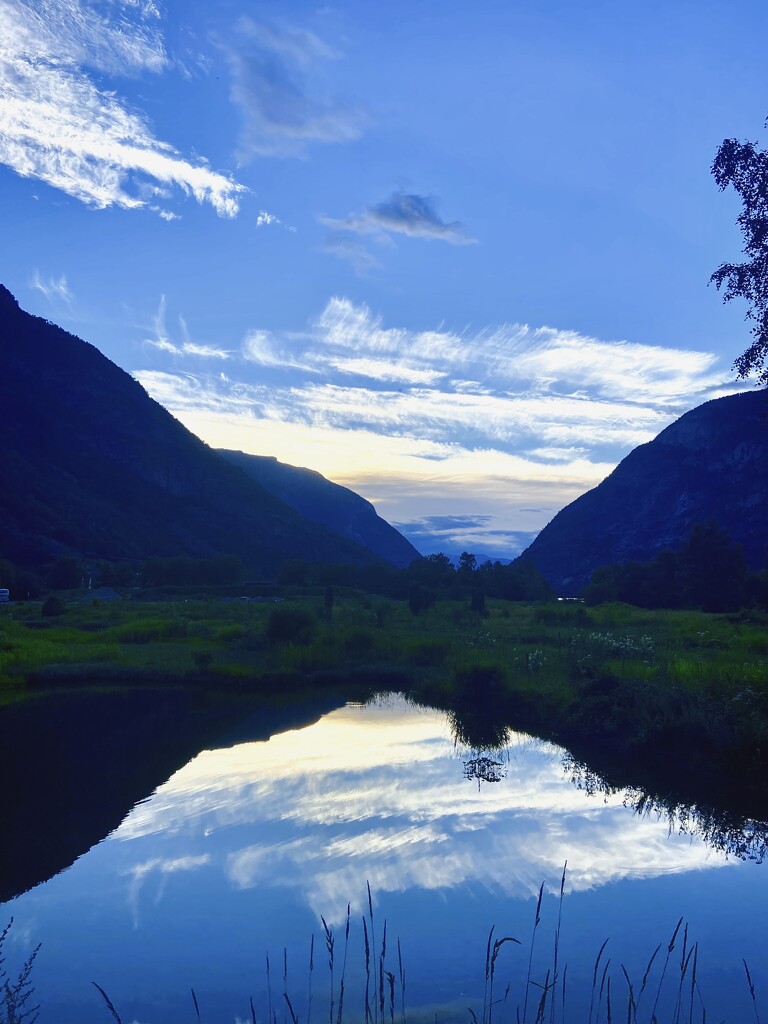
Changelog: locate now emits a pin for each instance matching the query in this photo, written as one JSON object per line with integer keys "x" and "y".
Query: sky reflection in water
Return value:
{"x": 377, "y": 794}
{"x": 244, "y": 848}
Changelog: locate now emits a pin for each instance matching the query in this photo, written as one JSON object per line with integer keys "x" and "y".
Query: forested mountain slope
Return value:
{"x": 710, "y": 465}
{"x": 327, "y": 503}
{"x": 92, "y": 466}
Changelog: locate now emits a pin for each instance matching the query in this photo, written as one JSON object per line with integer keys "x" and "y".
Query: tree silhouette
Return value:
{"x": 745, "y": 166}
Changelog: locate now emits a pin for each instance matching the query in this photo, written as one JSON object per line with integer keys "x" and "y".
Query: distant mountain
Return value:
{"x": 340, "y": 509}
{"x": 711, "y": 464}
{"x": 91, "y": 466}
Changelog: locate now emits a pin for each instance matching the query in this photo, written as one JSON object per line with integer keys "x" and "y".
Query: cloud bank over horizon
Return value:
{"x": 475, "y": 439}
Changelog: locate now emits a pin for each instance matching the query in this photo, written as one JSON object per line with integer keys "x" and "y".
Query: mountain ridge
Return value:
{"x": 96, "y": 468}
{"x": 339, "y": 508}
{"x": 711, "y": 464}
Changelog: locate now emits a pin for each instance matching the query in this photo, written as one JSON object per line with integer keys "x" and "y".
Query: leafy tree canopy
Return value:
{"x": 744, "y": 166}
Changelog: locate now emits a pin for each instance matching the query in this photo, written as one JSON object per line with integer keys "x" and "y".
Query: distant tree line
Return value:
{"x": 427, "y": 579}
{"x": 708, "y": 572}
{"x": 70, "y": 573}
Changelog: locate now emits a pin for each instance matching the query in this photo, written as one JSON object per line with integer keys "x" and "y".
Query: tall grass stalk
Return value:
{"x": 367, "y": 972}
{"x": 381, "y": 972}
{"x": 646, "y": 975}
{"x": 557, "y": 945}
{"x": 594, "y": 980}
{"x": 373, "y": 946}
{"x": 391, "y": 981}
{"x": 343, "y": 970}
{"x": 536, "y": 924}
{"x": 14, "y": 996}
{"x": 311, "y": 972}
{"x": 751, "y": 985}
{"x": 108, "y": 1001}
{"x": 608, "y": 1002}
{"x": 270, "y": 1012}
{"x": 329, "y": 945}
{"x": 603, "y": 987}
{"x": 195, "y": 1004}
{"x": 631, "y": 1005}
{"x": 401, "y": 973}
{"x": 543, "y": 1001}
{"x": 670, "y": 950}
{"x": 491, "y": 969}
{"x": 294, "y": 1018}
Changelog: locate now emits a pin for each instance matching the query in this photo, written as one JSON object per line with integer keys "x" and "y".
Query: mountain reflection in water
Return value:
{"x": 243, "y": 849}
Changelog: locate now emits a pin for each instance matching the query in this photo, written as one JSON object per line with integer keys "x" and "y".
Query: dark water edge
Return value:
{"x": 74, "y": 764}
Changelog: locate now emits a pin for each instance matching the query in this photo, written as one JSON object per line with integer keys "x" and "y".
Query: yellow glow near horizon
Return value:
{"x": 390, "y": 471}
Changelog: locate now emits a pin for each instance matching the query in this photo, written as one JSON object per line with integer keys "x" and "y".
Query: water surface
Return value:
{"x": 239, "y": 854}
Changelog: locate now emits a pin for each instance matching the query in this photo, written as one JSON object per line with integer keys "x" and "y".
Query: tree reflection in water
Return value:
{"x": 727, "y": 832}
{"x": 477, "y": 720}
{"x": 479, "y": 731}
{"x": 484, "y": 769}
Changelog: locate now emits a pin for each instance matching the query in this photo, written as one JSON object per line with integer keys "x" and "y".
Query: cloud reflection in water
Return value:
{"x": 377, "y": 794}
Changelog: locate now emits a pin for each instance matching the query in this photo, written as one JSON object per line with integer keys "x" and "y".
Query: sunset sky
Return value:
{"x": 453, "y": 255}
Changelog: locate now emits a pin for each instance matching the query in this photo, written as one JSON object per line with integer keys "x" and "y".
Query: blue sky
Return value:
{"x": 452, "y": 255}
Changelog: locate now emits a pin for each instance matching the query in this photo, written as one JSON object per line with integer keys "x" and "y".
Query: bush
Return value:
{"x": 53, "y": 605}
{"x": 289, "y": 625}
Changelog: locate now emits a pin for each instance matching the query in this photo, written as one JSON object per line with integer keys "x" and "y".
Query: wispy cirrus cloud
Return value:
{"x": 59, "y": 124}
{"x": 412, "y": 215}
{"x": 185, "y": 347}
{"x": 278, "y": 85}
{"x": 52, "y": 287}
{"x": 509, "y": 423}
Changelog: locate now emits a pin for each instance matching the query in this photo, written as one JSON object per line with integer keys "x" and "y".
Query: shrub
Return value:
{"x": 53, "y": 605}
{"x": 290, "y": 625}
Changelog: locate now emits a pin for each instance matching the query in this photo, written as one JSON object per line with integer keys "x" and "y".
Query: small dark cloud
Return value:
{"x": 433, "y": 525}
{"x": 277, "y": 84}
{"x": 411, "y": 215}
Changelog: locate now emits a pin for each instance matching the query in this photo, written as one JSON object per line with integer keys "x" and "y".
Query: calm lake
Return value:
{"x": 240, "y": 854}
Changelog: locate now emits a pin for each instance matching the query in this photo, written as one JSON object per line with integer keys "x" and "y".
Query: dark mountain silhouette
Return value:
{"x": 329, "y": 504}
{"x": 710, "y": 465}
{"x": 92, "y": 466}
